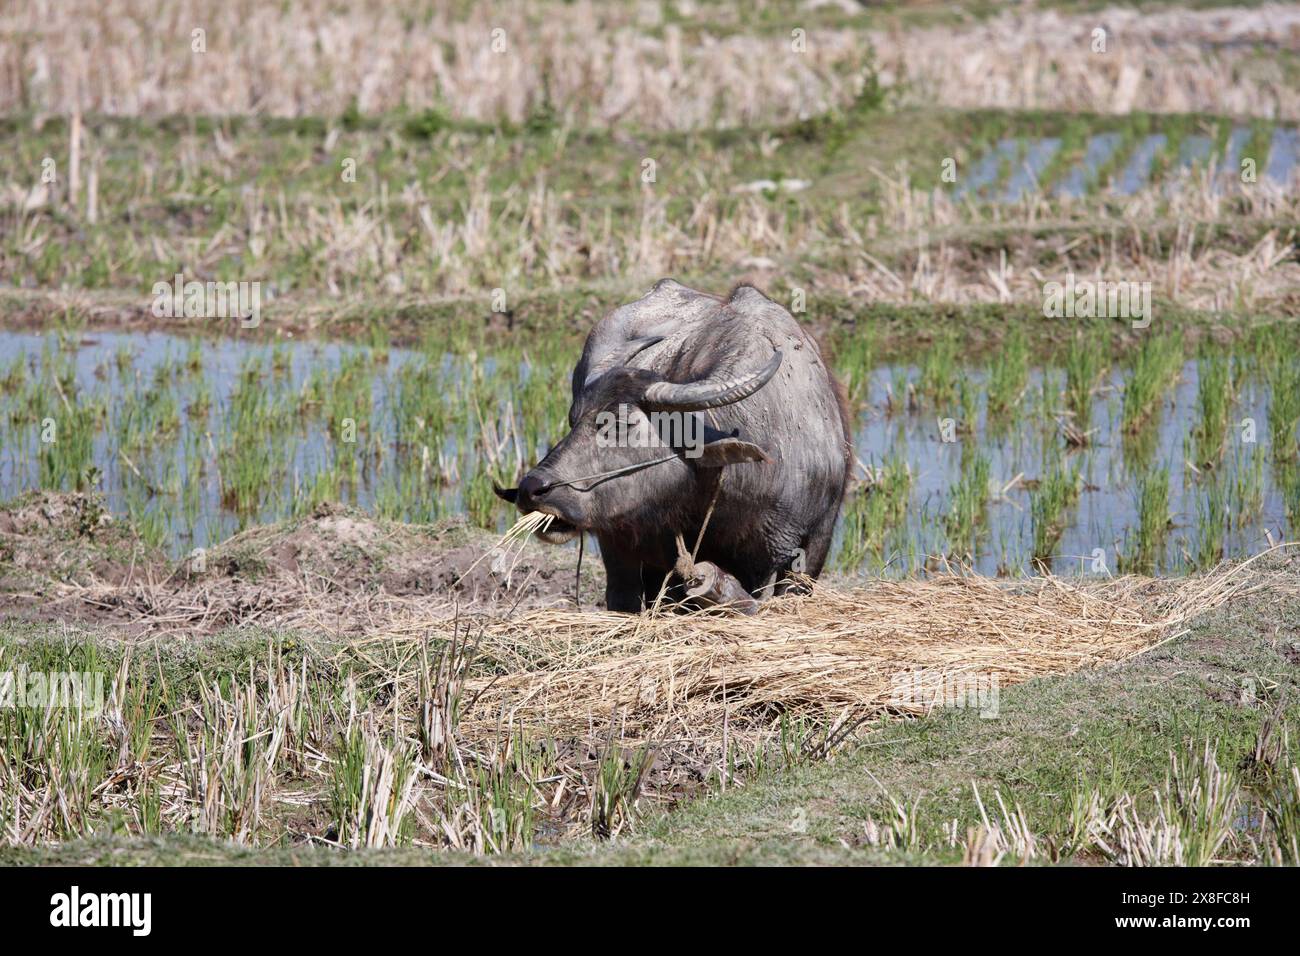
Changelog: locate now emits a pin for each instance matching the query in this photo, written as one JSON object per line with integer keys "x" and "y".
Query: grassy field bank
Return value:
{"x": 1071, "y": 770}
{"x": 315, "y": 694}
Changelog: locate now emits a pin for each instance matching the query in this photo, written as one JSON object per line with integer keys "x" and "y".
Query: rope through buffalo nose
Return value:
{"x": 601, "y": 477}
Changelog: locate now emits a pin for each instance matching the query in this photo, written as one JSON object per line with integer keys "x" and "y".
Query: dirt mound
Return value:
{"x": 64, "y": 557}
{"x": 49, "y": 537}
{"x": 342, "y": 549}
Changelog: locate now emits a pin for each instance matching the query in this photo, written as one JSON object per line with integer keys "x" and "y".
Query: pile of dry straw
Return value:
{"x": 826, "y": 656}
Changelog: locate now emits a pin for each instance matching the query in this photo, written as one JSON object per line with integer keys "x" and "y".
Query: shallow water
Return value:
{"x": 1099, "y": 149}
{"x": 176, "y": 479}
{"x": 1024, "y": 177}
{"x": 1137, "y": 171}
{"x": 986, "y": 169}
{"x": 1282, "y": 155}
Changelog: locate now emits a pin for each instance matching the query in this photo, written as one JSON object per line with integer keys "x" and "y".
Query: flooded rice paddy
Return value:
{"x": 1013, "y": 168}
{"x": 1096, "y": 460}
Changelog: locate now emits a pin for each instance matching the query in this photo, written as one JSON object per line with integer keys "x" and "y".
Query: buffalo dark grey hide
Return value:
{"x": 687, "y": 405}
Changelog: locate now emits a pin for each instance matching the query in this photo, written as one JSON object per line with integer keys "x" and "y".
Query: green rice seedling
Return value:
{"x": 347, "y": 394}
{"x": 191, "y": 489}
{"x": 854, "y": 362}
{"x": 1086, "y": 357}
{"x": 1211, "y": 524}
{"x": 251, "y": 454}
{"x": 148, "y": 521}
{"x": 939, "y": 373}
{"x": 134, "y": 706}
{"x": 422, "y": 424}
{"x": 1145, "y": 552}
{"x": 1057, "y": 492}
{"x": 1284, "y": 409}
{"x": 1046, "y": 400}
{"x": 1083, "y": 826}
{"x": 67, "y": 445}
{"x": 200, "y": 402}
{"x": 1287, "y": 478}
{"x": 1214, "y": 399}
{"x": 968, "y": 404}
{"x": 281, "y": 360}
{"x": 1201, "y": 800}
{"x": 1155, "y": 369}
{"x": 194, "y": 355}
{"x": 538, "y": 413}
{"x": 14, "y": 376}
{"x": 246, "y": 465}
{"x": 147, "y": 802}
{"x": 441, "y": 686}
{"x": 1281, "y": 805}
{"x": 1139, "y": 450}
{"x": 75, "y": 757}
{"x": 1006, "y": 835}
{"x": 500, "y": 794}
{"x": 801, "y": 740}
{"x": 53, "y": 754}
{"x": 405, "y": 495}
{"x": 616, "y": 789}
{"x": 124, "y": 359}
{"x": 481, "y": 503}
{"x": 147, "y": 416}
{"x": 1008, "y": 374}
{"x": 1246, "y": 495}
{"x": 873, "y": 510}
{"x": 900, "y": 829}
{"x": 1193, "y": 819}
{"x": 967, "y": 503}
{"x": 323, "y": 485}
{"x": 227, "y": 765}
{"x": 899, "y": 392}
{"x": 372, "y": 788}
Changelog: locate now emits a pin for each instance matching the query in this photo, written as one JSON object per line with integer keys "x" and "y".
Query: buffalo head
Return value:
{"x": 634, "y": 442}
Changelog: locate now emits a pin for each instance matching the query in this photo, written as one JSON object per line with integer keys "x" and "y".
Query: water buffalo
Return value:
{"x": 690, "y": 407}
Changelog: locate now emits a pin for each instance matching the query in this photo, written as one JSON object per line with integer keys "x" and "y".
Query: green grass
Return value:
{"x": 1284, "y": 409}
{"x": 940, "y": 376}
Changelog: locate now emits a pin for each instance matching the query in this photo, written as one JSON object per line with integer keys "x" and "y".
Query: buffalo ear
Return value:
{"x": 730, "y": 451}
{"x": 505, "y": 494}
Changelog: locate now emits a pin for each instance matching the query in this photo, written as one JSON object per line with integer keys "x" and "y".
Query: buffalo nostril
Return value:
{"x": 531, "y": 488}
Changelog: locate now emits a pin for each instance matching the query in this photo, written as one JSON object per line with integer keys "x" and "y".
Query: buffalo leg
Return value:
{"x": 622, "y": 579}
{"x": 654, "y": 581}
{"x": 817, "y": 545}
